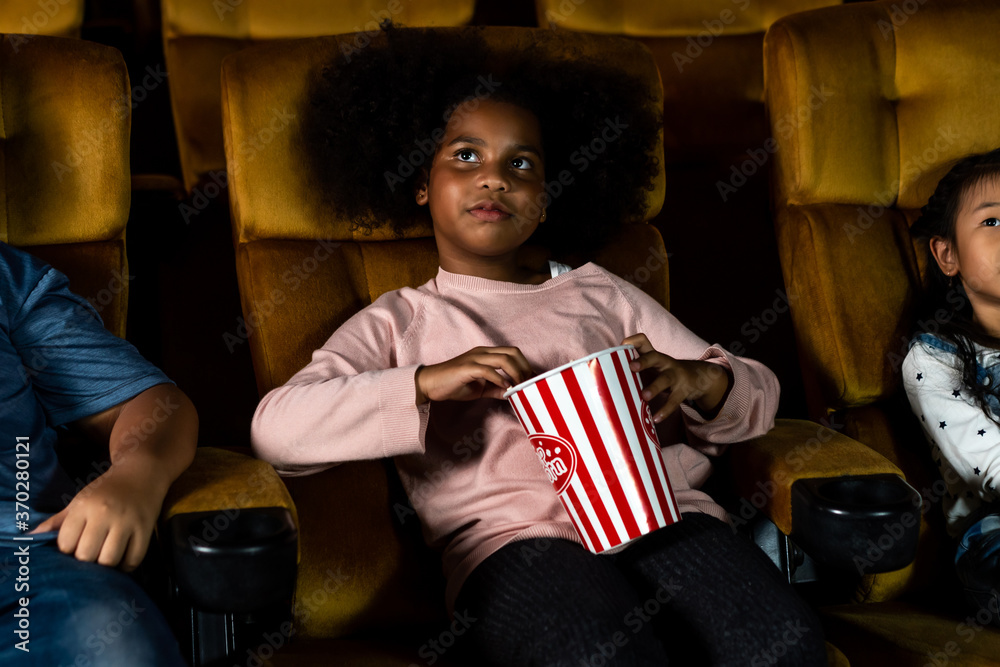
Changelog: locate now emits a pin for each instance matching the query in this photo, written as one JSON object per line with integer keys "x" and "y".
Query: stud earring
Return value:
{"x": 542, "y": 219}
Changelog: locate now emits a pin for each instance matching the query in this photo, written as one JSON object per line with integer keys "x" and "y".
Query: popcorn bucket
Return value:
{"x": 594, "y": 435}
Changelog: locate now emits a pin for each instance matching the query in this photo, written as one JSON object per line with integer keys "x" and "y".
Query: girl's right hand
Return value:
{"x": 472, "y": 375}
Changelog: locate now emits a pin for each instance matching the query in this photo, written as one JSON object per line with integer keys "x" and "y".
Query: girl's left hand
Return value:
{"x": 680, "y": 379}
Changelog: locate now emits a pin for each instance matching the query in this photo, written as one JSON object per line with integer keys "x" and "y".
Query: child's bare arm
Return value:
{"x": 151, "y": 438}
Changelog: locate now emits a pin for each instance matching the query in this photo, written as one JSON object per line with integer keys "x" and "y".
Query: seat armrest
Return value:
{"x": 229, "y": 526}
{"x": 838, "y": 499}
{"x": 226, "y": 479}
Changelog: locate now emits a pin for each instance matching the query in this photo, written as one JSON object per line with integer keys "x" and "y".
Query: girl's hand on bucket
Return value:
{"x": 679, "y": 380}
{"x": 472, "y": 375}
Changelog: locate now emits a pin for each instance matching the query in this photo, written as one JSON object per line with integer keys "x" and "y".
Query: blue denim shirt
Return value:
{"x": 57, "y": 364}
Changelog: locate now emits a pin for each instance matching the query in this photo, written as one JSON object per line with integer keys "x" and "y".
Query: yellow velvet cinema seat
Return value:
{"x": 710, "y": 57}
{"x": 302, "y": 272}
{"x": 65, "y": 198}
{"x": 197, "y": 35}
{"x": 66, "y": 163}
{"x": 56, "y": 18}
{"x": 870, "y": 103}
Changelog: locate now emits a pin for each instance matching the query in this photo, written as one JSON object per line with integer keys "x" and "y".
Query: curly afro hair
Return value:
{"x": 377, "y": 114}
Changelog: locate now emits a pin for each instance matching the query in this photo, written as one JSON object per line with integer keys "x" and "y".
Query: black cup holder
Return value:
{"x": 867, "y": 524}
{"x": 228, "y": 531}
{"x": 235, "y": 560}
{"x": 871, "y": 493}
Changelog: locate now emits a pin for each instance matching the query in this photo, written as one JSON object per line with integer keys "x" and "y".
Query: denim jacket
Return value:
{"x": 987, "y": 376}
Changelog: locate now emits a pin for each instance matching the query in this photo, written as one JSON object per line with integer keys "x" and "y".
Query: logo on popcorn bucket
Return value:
{"x": 647, "y": 424}
{"x": 558, "y": 457}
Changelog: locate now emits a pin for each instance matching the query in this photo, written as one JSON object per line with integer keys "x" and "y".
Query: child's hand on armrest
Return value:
{"x": 111, "y": 520}
{"x": 704, "y": 383}
{"x": 472, "y": 375}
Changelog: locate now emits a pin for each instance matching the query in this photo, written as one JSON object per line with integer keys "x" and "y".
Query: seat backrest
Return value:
{"x": 65, "y": 163}
{"x": 56, "y": 18}
{"x": 869, "y": 104}
{"x": 709, "y": 56}
{"x": 303, "y": 271}
{"x": 197, "y": 35}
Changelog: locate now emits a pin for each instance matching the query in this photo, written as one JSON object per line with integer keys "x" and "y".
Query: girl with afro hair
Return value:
{"x": 494, "y": 154}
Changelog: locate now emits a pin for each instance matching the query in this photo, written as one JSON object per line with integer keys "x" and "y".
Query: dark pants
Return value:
{"x": 693, "y": 593}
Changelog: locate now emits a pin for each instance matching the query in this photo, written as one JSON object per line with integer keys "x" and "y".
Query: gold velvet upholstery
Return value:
{"x": 709, "y": 56}
{"x": 869, "y": 103}
{"x": 64, "y": 161}
{"x": 56, "y": 18}
{"x": 197, "y": 35}
{"x": 669, "y": 19}
{"x": 302, "y": 272}
{"x": 798, "y": 449}
{"x": 225, "y": 479}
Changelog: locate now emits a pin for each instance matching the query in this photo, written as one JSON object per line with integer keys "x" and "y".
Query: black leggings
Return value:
{"x": 694, "y": 591}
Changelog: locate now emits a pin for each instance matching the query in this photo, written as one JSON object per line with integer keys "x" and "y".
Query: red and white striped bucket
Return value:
{"x": 594, "y": 435}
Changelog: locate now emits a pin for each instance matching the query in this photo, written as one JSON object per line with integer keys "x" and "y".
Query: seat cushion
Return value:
{"x": 902, "y": 634}
{"x": 364, "y": 563}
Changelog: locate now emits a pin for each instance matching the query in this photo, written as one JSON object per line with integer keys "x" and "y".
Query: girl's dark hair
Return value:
{"x": 377, "y": 115}
{"x": 945, "y": 302}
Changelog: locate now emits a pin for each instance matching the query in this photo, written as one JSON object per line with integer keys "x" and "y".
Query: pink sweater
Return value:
{"x": 467, "y": 467}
